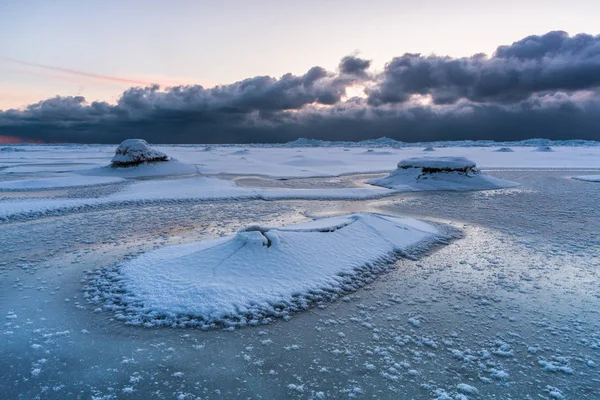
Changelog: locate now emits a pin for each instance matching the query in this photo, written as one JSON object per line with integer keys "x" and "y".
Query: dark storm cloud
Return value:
{"x": 541, "y": 86}
{"x": 547, "y": 63}
{"x": 351, "y": 65}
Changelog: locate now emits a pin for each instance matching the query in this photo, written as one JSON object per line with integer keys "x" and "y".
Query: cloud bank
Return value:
{"x": 541, "y": 86}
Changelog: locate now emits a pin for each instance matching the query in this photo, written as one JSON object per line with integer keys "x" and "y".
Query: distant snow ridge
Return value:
{"x": 258, "y": 274}
{"x": 132, "y": 152}
{"x": 10, "y": 149}
{"x": 439, "y": 173}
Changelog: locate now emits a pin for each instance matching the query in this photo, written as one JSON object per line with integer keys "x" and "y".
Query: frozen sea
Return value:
{"x": 507, "y": 310}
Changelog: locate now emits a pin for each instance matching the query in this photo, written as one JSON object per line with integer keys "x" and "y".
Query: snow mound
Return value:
{"x": 587, "y": 178}
{"x": 258, "y": 273}
{"x": 240, "y": 152}
{"x": 133, "y": 152}
{"x": 372, "y": 152}
{"x": 504, "y": 150}
{"x": 428, "y": 149}
{"x": 544, "y": 149}
{"x": 439, "y": 173}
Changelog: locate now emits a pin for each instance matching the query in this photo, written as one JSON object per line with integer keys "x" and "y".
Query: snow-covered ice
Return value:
{"x": 196, "y": 188}
{"x": 56, "y": 183}
{"x": 282, "y": 161}
{"x": 263, "y": 270}
{"x": 587, "y": 178}
{"x": 440, "y": 173}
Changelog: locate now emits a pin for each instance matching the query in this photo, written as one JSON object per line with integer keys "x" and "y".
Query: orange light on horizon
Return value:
{"x": 16, "y": 140}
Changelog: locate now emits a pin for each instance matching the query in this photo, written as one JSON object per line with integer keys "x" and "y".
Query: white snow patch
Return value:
{"x": 439, "y": 173}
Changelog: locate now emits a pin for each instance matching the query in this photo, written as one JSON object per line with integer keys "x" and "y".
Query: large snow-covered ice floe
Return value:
{"x": 587, "y": 178}
{"x": 132, "y": 152}
{"x": 259, "y": 273}
{"x": 440, "y": 173}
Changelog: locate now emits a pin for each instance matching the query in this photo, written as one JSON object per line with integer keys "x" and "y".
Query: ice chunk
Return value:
{"x": 504, "y": 150}
{"x": 133, "y": 152}
{"x": 544, "y": 149}
{"x": 439, "y": 173}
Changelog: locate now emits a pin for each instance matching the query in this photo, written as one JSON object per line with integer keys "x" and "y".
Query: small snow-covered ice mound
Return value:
{"x": 133, "y": 152}
{"x": 429, "y": 149}
{"x": 259, "y": 273}
{"x": 544, "y": 149}
{"x": 134, "y": 158}
{"x": 504, "y": 150}
{"x": 439, "y": 173}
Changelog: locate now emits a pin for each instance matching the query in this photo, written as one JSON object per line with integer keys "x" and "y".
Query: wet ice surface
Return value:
{"x": 508, "y": 312}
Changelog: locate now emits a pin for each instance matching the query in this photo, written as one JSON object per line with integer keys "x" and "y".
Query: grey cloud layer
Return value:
{"x": 541, "y": 86}
{"x": 549, "y": 63}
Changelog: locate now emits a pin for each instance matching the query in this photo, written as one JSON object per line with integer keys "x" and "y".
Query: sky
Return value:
{"x": 91, "y": 54}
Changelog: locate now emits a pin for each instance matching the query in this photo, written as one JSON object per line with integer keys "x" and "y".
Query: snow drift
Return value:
{"x": 56, "y": 183}
{"x": 259, "y": 273}
{"x": 439, "y": 173}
